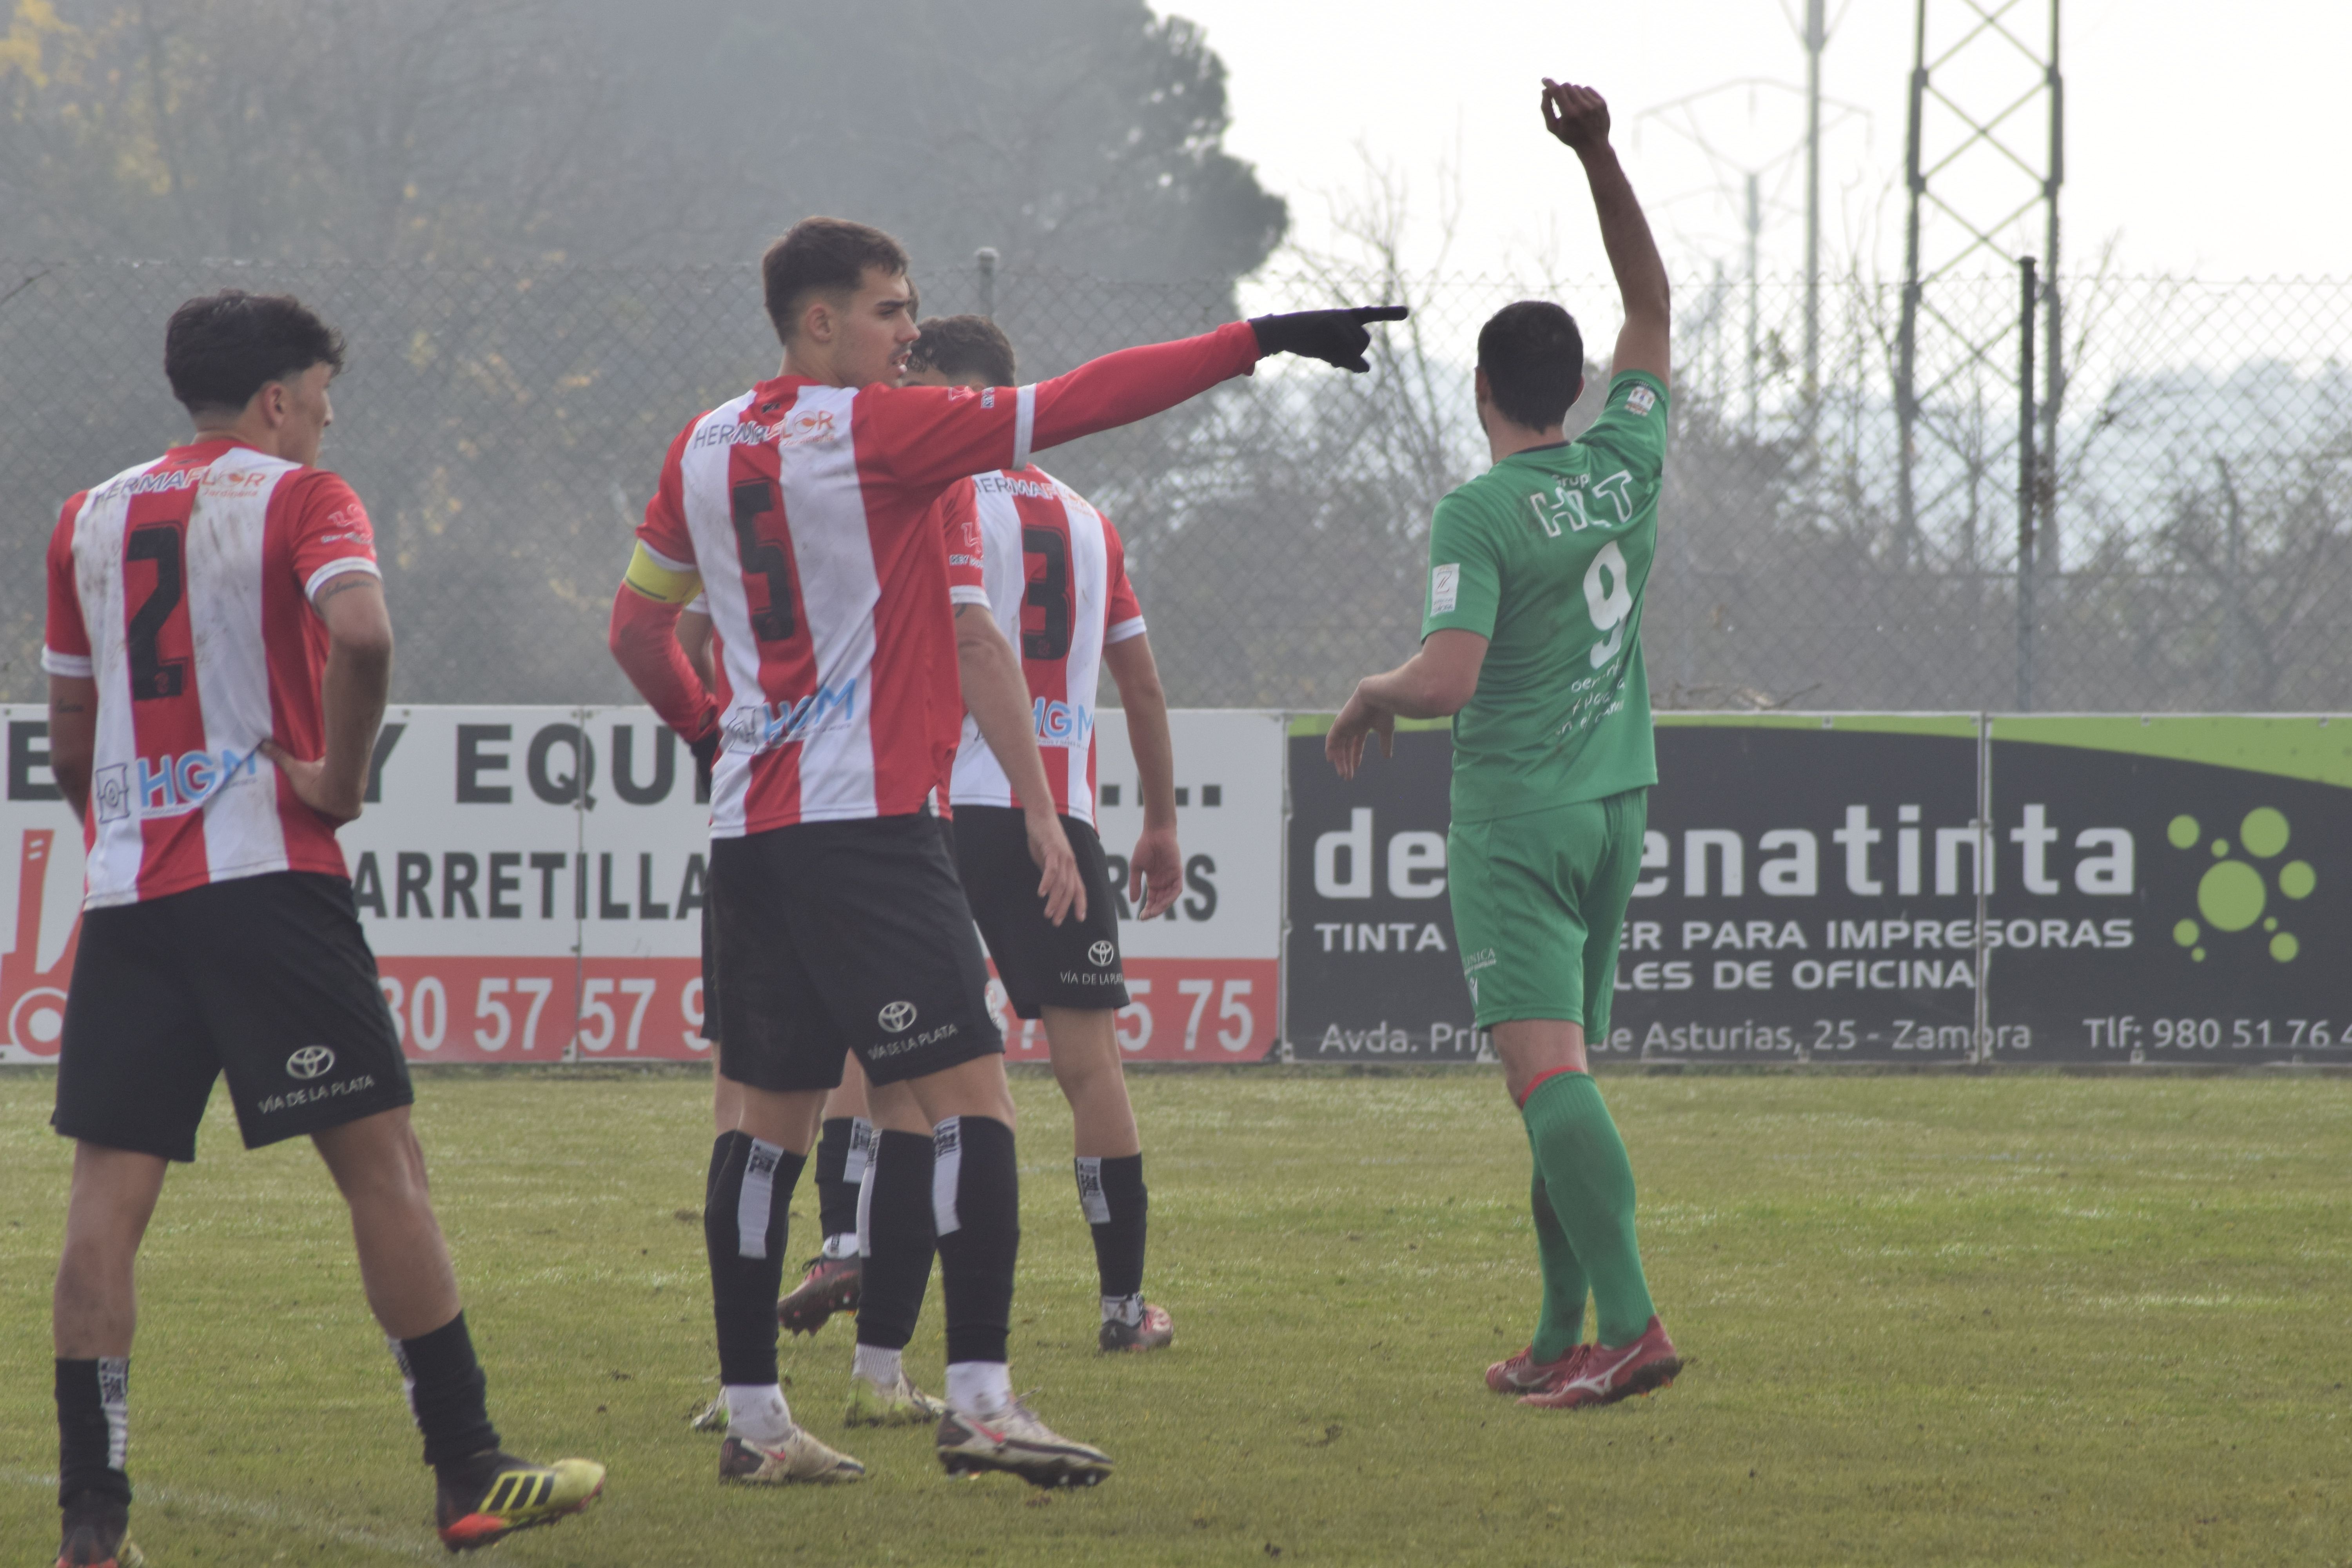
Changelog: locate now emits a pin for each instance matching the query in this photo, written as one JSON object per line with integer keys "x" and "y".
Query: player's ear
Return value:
{"x": 816, "y": 319}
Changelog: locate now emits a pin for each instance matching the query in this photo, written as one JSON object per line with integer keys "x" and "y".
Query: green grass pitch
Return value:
{"x": 1929, "y": 1319}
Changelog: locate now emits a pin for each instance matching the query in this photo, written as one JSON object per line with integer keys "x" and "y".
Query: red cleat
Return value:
{"x": 831, "y": 1285}
{"x": 1607, "y": 1374}
{"x": 1525, "y": 1374}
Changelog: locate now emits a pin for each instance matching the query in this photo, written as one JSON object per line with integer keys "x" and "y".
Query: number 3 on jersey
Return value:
{"x": 1609, "y": 596}
{"x": 1046, "y": 563}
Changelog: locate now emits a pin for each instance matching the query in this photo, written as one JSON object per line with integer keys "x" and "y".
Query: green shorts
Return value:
{"x": 1539, "y": 904}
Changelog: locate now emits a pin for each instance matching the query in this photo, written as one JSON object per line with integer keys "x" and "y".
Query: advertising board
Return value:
{"x": 533, "y": 881}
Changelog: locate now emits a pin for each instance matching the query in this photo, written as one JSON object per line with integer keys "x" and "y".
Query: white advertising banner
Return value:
{"x": 1205, "y": 977}
{"x": 532, "y": 882}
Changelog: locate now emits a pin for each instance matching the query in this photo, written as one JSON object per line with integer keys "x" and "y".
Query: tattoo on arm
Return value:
{"x": 336, "y": 585}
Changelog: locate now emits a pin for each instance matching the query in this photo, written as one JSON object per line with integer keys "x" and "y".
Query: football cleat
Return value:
{"x": 830, "y": 1286}
{"x": 1015, "y": 1441}
{"x": 1525, "y": 1374}
{"x": 1153, "y": 1333}
{"x": 795, "y": 1457}
{"x": 1607, "y": 1374}
{"x": 495, "y": 1495}
{"x": 711, "y": 1417}
{"x": 901, "y": 1404}
{"x": 92, "y": 1536}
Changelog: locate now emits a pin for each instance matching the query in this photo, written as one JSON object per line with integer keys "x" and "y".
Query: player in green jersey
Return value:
{"x": 1532, "y": 641}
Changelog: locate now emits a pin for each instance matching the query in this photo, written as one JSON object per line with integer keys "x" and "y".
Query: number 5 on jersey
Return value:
{"x": 750, "y": 501}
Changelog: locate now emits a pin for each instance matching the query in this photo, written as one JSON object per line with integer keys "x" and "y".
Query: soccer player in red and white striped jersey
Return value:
{"x": 218, "y": 655}
{"x": 802, "y": 508}
{"x": 1056, "y": 579}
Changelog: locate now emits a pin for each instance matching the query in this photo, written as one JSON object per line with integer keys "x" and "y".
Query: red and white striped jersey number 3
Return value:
{"x": 182, "y": 587}
{"x": 1056, "y": 579}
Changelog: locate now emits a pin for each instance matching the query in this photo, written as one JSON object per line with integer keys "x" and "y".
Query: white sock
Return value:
{"x": 757, "y": 1411}
{"x": 980, "y": 1387}
{"x": 876, "y": 1367}
{"x": 841, "y": 1245}
{"x": 1127, "y": 1309}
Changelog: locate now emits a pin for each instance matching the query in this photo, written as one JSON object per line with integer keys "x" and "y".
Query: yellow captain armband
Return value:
{"x": 664, "y": 584}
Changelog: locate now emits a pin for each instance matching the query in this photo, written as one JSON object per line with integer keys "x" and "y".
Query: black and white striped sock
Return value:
{"x": 93, "y": 1427}
{"x": 744, "y": 1228}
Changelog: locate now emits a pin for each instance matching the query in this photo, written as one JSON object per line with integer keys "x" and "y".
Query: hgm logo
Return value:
{"x": 169, "y": 785}
{"x": 764, "y": 726}
{"x": 1062, "y": 723}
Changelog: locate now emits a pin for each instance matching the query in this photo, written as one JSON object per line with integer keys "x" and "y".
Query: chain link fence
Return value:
{"x": 2193, "y": 551}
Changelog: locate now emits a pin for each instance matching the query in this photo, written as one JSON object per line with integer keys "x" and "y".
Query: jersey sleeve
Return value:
{"x": 331, "y": 531}
{"x": 65, "y": 646}
{"x": 664, "y": 533}
{"x": 1123, "y": 618}
{"x": 958, "y": 510}
{"x": 928, "y": 434}
{"x": 1631, "y": 426}
{"x": 1465, "y": 570}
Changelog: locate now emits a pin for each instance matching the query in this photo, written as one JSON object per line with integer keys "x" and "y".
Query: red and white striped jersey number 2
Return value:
{"x": 183, "y": 588}
{"x": 1056, "y": 579}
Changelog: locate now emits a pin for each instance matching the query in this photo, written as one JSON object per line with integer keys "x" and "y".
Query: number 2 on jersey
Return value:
{"x": 1049, "y": 594}
{"x": 152, "y": 675}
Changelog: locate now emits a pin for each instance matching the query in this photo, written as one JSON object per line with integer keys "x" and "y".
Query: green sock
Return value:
{"x": 1591, "y": 1185}
{"x": 1561, "y": 1326}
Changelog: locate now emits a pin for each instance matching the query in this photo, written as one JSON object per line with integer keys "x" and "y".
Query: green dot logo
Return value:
{"x": 2234, "y": 895}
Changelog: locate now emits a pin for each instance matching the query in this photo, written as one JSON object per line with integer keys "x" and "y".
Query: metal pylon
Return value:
{"x": 1985, "y": 88}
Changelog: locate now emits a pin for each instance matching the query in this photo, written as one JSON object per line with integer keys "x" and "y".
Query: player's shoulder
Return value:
{"x": 742, "y": 418}
{"x": 1635, "y": 407}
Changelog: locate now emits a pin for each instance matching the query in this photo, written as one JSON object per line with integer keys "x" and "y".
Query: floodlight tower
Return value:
{"x": 1979, "y": 79}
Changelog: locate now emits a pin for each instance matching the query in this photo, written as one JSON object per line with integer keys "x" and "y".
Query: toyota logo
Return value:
{"x": 897, "y": 1017}
{"x": 310, "y": 1062}
{"x": 1101, "y": 954}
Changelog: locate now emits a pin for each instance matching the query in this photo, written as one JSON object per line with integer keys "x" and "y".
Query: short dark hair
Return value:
{"x": 1534, "y": 360}
{"x": 221, "y": 348}
{"x": 959, "y": 345}
{"x": 822, "y": 253}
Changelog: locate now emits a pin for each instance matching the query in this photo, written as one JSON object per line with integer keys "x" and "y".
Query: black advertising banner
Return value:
{"x": 1374, "y": 975}
{"x": 1828, "y": 888}
{"x": 2224, "y": 845}
{"x": 1810, "y": 892}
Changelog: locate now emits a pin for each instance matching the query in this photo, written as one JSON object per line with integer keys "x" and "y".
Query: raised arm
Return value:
{"x": 1578, "y": 116}
{"x": 933, "y": 434}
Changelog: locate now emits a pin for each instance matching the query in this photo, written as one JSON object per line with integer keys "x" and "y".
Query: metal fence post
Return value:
{"x": 2025, "y": 484}
{"x": 984, "y": 262}
{"x": 1983, "y": 825}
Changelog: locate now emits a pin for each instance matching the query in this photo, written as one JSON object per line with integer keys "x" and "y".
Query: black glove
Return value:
{"x": 706, "y": 752}
{"x": 1335, "y": 337}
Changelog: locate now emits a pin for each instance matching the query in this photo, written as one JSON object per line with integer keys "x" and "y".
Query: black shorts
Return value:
{"x": 845, "y": 936}
{"x": 708, "y": 1028}
{"x": 1074, "y": 964}
{"x": 268, "y": 978}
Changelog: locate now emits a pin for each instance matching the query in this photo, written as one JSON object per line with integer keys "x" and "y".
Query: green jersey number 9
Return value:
{"x": 1610, "y": 597}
